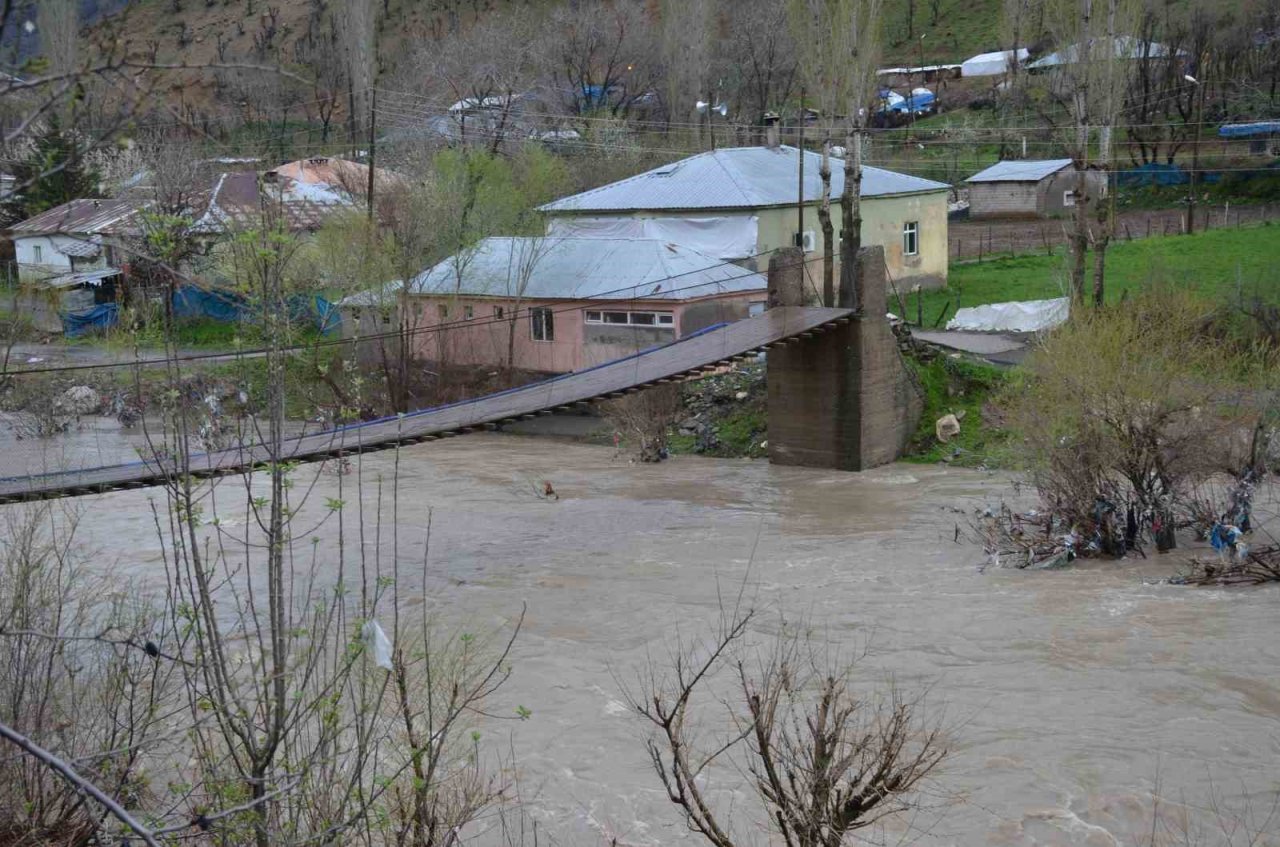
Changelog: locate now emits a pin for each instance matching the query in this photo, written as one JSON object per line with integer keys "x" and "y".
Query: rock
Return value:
{"x": 741, "y": 395}
{"x": 946, "y": 428}
{"x": 764, "y": 445}
{"x": 79, "y": 400}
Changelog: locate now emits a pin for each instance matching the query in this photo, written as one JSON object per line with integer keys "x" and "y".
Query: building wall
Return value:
{"x": 482, "y": 339}
{"x": 1054, "y": 187}
{"x": 882, "y": 220}
{"x": 51, "y": 261}
{"x": 1005, "y": 199}
{"x": 882, "y": 223}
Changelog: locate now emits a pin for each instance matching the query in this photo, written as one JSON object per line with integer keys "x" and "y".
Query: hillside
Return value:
{"x": 203, "y": 31}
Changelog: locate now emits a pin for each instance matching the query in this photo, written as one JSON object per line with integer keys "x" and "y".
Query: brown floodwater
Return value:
{"x": 1070, "y": 695}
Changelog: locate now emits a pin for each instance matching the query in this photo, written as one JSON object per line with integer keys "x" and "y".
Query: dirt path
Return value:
{"x": 974, "y": 239}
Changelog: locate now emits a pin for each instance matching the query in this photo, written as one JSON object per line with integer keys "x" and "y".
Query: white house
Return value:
{"x": 65, "y": 261}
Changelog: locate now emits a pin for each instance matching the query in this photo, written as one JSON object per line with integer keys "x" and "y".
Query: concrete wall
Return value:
{"x": 882, "y": 222}
{"x": 52, "y": 262}
{"x": 844, "y": 398}
{"x": 1029, "y": 199}
{"x": 1005, "y": 200}
{"x": 483, "y": 338}
{"x": 1055, "y": 186}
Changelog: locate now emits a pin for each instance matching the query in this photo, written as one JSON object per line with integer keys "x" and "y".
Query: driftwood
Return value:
{"x": 1258, "y": 565}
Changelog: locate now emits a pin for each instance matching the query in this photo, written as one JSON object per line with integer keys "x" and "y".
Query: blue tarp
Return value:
{"x": 97, "y": 319}
{"x": 1155, "y": 173}
{"x": 1249, "y": 130}
{"x": 190, "y": 302}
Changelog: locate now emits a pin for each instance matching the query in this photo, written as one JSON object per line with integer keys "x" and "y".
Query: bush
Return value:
{"x": 1135, "y": 404}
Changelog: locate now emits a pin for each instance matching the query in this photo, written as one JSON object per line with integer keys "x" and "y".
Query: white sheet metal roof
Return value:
{"x": 1124, "y": 47}
{"x": 734, "y": 178}
{"x": 587, "y": 269}
{"x": 1020, "y": 170}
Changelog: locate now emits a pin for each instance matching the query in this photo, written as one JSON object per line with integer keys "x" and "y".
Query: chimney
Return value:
{"x": 772, "y": 132}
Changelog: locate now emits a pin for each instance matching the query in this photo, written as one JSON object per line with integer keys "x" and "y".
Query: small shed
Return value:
{"x": 1263, "y": 136}
{"x": 1027, "y": 188}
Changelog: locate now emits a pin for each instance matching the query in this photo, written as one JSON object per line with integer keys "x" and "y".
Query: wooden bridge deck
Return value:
{"x": 681, "y": 360}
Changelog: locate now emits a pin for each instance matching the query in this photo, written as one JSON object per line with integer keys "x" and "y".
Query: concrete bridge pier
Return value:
{"x": 843, "y": 399}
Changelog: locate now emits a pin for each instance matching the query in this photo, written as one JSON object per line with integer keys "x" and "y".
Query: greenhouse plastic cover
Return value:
{"x": 1018, "y": 316}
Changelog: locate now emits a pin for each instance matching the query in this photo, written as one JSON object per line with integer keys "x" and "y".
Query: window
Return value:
{"x": 468, "y": 313}
{"x": 631, "y": 318}
{"x": 37, "y": 252}
{"x": 497, "y": 312}
{"x": 442, "y": 311}
{"x": 1068, "y": 198}
{"x": 542, "y": 324}
{"x": 386, "y": 319}
{"x": 911, "y": 238}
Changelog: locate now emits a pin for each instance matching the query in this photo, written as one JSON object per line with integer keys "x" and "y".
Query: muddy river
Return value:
{"x": 1071, "y": 695}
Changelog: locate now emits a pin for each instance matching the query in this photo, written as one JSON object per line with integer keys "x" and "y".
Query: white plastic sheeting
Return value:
{"x": 1019, "y": 316}
{"x": 377, "y": 643}
{"x": 722, "y": 236}
{"x": 991, "y": 64}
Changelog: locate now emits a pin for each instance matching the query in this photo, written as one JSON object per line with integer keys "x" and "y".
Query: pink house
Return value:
{"x": 560, "y": 304}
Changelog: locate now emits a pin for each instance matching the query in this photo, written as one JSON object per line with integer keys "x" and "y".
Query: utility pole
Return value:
{"x": 373, "y": 146}
{"x": 1190, "y": 225}
{"x": 800, "y": 187}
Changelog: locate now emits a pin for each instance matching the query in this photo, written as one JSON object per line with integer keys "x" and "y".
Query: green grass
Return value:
{"x": 962, "y": 388}
{"x": 1218, "y": 263}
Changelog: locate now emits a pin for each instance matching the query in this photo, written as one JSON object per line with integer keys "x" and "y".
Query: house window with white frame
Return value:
{"x": 37, "y": 254}
{"x": 663, "y": 320}
{"x": 911, "y": 238}
{"x": 542, "y": 326}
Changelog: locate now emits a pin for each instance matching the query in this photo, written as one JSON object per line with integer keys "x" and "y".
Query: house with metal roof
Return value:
{"x": 742, "y": 203}
{"x": 1028, "y": 188}
{"x": 66, "y": 263}
{"x": 557, "y": 304}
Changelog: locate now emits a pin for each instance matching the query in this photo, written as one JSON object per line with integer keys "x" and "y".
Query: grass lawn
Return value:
{"x": 1218, "y": 262}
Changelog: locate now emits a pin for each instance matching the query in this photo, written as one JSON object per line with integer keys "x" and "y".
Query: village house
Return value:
{"x": 1028, "y": 188}
{"x": 558, "y": 304}
{"x": 741, "y": 204}
{"x": 66, "y": 262}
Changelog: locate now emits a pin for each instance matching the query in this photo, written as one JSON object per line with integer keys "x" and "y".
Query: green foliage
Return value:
{"x": 965, "y": 389}
{"x": 53, "y": 172}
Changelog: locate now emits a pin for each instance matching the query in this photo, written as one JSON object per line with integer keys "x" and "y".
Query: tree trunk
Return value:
{"x": 1080, "y": 236}
{"x": 828, "y": 228}
{"x": 851, "y": 219}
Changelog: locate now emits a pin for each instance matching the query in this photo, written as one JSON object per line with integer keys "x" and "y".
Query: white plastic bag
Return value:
{"x": 376, "y": 641}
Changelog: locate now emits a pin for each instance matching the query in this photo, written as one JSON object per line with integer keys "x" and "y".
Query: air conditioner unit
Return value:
{"x": 806, "y": 241}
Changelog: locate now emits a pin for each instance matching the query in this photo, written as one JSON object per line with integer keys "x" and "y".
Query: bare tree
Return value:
{"x": 686, "y": 58}
{"x": 760, "y": 59}
{"x": 606, "y": 61}
{"x": 824, "y": 760}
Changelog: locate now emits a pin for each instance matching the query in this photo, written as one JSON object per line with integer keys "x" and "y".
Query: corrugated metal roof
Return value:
{"x": 80, "y": 217}
{"x": 238, "y": 199}
{"x": 1020, "y": 170}
{"x": 80, "y": 248}
{"x": 587, "y": 269}
{"x": 734, "y": 178}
